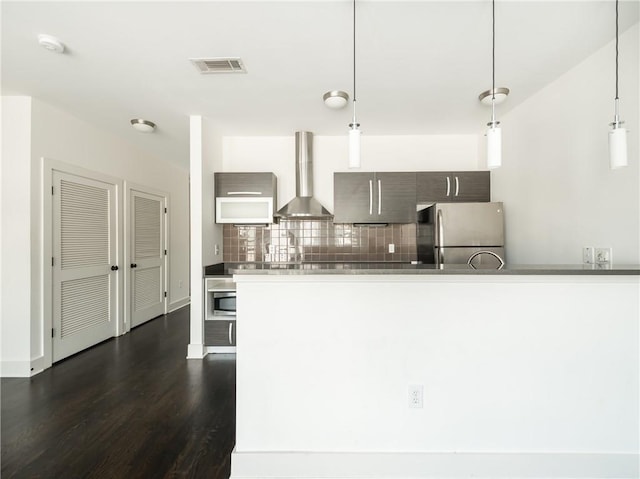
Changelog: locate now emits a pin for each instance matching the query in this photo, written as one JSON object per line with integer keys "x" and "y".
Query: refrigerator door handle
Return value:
{"x": 457, "y": 186}
{"x": 448, "y": 186}
{"x": 370, "y": 197}
{"x": 379, "y": 197}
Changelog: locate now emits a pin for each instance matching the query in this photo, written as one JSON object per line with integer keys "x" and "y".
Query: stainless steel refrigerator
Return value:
{"x": 455, "y": 233}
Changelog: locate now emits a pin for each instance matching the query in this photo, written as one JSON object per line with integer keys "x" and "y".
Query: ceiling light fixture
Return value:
{"x": 617, "y": 134}
{"x": 497, "y": 95}
{"x": 143, "y": 126}
{"x": 354, "y": 132}
{"x": 335, "y": 99}
{"x": 51, "y": 43}
{"x": 492, "y": 97}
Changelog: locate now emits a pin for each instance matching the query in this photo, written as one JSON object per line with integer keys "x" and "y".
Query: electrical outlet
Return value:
{"x": 180, "y": 284}
{"x": 216, "y": 249}
{"x": 392, "y": 248}
{"x": 415, "y": 396}
{"x": 588, "y": 255}
{"x": 603, "y": 255}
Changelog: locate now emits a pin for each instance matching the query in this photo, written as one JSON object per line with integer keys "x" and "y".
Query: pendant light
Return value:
{"x": 354, "y": 132}
{"x": 617, "y": 134}
{"x": 494, "y": 133}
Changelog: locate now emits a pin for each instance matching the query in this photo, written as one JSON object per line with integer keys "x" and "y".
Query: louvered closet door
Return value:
{"x": 147, "y": 256}
{"x": 84, "y": 246}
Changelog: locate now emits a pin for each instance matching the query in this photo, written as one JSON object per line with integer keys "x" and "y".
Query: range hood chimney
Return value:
{"x": 304, "y": 205}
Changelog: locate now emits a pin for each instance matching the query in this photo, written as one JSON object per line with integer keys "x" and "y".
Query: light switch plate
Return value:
{"x": 588, "y": 256}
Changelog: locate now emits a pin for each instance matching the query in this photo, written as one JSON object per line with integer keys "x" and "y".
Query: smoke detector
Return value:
{"x": 51, "y": 43}
{"x": 219, "y": 65}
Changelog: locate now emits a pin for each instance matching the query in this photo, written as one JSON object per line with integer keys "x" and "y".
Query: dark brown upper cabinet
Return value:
{"x": 456, "y": 186}
{"x": 374, "y": 197}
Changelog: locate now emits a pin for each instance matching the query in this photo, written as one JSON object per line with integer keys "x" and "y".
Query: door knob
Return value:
{"x": 133, "y": 265}
{"x": 114, "y": 268}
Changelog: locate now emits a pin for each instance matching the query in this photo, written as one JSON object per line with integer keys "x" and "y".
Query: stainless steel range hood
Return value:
{"x": 304, "y": 205}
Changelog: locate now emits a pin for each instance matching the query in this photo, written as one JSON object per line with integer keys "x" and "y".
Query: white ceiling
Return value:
{"x": 420, "y": 64}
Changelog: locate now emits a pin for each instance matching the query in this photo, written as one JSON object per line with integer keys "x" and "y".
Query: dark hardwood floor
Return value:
{"x": 131, "y": 407}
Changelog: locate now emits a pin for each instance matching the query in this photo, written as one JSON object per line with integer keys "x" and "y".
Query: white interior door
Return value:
{"x": 85, "y": 275}
{"x": 147, "y": 279}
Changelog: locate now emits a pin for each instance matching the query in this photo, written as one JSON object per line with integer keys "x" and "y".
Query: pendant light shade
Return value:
{"x": 494, "y": 147}
{"x": 617, "y": 134}
{"x": 354, "y": 132}
{"x": 354, "y": 148}
{"x": 617, "y": 148}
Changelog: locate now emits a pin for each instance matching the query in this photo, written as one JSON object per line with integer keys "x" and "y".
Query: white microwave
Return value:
{"x": 244, "y": 210}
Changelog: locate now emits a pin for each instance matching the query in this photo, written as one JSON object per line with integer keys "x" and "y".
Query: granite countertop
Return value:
{"x": 229, "y": 269}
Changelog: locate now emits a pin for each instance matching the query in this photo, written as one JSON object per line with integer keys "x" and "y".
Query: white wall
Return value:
{"x": 379, "y": 153}
{"x": 15, "y": 238}
{"x": 558, "y": 190}
{"x": 59, "y": 136}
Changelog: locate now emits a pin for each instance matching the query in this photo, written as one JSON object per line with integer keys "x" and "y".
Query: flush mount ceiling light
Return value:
{"x": 617, "y": 134}
{"x": 143, "y": 126}
{"x": 491, "y": 97}
{"x": 354, "y": 132}
{"x": 51, "y": 43}
{"x": 335, "y": 99}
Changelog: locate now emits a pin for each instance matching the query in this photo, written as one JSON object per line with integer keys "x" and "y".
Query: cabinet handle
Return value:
{"x": 379, "y": 197}
{"x": 448, "y": 186}
{"x": 457, "y": 186}
{"x": 440, "y": 229}
{"x": 230, "y": 193}
{"x": 230, "y": 333}
{"x": 370, "y": 197}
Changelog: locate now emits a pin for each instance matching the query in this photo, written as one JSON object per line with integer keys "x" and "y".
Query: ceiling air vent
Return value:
{"x": 219, "y": 65}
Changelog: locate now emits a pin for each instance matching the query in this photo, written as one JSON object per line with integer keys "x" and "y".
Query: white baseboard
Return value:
{"x": 179, "y": 304}
{"x": 38, "y": 365}
{"x": 196, "y": 351}
{"x": 380, "y": 465}
{"x": 15, "y": 369}
{"x": 220, "y": 349}
{"x": 22, "y": 369}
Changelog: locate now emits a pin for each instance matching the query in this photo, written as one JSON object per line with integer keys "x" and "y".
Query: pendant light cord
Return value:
{"x": 493, "y": 49}
{"x": 354, "y": 64}
{"x": 616, "y": 49}
{"x": 493, "y": 63}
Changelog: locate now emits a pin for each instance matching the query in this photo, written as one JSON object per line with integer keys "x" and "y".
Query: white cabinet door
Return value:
{"x": 85, "y": 277}
{"x": 147, "y": 256}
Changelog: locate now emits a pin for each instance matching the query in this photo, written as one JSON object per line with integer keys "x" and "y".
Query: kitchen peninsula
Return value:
{"x": 528, "y": 371}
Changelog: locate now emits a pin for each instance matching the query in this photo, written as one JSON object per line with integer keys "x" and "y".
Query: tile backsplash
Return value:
{"x": 312, "y": 241}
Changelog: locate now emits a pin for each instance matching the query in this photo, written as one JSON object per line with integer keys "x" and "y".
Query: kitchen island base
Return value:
{"x": 523, "y": 376}
{"x": 430, "y": 465}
